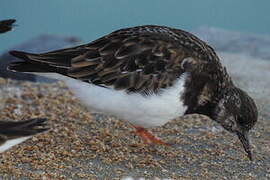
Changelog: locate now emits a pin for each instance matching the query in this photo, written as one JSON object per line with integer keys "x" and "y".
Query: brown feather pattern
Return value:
{"x": 142, "y": 59}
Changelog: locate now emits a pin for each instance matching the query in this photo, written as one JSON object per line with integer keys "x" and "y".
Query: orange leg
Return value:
{"x": 147, "y": 137}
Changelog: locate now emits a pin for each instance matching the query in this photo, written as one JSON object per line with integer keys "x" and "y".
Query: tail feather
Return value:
{"x": 23, "y": 128}
{"x": 7, "y": 22}
{"x": 20, "y": 54}
{"x": 6, "y": 25}
{"x": 24, "y": 66}
{"x": 38, "y": 63}
{"x": 51, "y": 58}
{"x": 12, "y": 133}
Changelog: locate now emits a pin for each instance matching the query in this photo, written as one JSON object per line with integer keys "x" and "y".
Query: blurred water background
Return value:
{"x": 89, "y": 19}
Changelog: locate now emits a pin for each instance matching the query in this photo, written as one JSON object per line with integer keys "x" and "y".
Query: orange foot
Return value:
{"x": 147, "y": 137}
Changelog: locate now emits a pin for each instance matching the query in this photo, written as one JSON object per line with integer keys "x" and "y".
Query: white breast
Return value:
{"x": 9, "y": 143}
{"x": 153, "y": 110}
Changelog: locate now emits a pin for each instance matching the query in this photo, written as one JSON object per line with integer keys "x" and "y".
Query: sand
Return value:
{"x": 85, "y": 145}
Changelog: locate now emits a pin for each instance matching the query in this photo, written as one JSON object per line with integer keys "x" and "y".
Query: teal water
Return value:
{"x": 89, "y": 19}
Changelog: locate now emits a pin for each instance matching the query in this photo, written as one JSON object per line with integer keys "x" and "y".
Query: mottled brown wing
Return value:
{"x": 142, "y": 59}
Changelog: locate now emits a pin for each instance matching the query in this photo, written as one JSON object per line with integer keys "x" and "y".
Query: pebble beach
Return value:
{"x": 90, "y": 145}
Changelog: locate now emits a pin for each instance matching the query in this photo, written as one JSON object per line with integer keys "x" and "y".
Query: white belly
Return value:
{"x": 8, "y": 144}
{"x": 147, "y": 111}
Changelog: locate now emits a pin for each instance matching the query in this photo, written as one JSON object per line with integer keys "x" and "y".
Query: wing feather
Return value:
{"x": 141, "y": 59}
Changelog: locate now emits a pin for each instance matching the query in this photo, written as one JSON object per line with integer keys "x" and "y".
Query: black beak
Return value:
{"x": 243, "y": 137}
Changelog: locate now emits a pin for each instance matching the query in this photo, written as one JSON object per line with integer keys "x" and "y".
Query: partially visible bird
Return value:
{"x": 12, "y": 133}
{"x": 15, "y": 132}
{"x": 6, "y": 25}
{"x": 149, "y": 75}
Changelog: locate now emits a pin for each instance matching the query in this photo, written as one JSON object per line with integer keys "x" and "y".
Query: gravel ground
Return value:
{"x": 84, "y": 145}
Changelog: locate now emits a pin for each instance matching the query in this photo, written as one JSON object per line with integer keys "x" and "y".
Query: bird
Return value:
{"x": 15, "y": 132}
{"x": 149, "y": 75}
{"x": 7, "y": 25}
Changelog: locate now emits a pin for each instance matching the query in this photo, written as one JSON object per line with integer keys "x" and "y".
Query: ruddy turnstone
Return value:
{"x": 12, "y": 133}
{"x": 149, "y": 75}
{"x": 6, "y": 25}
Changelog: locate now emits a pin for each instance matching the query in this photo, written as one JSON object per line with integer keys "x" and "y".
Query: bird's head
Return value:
{"x": 237, "y": 112}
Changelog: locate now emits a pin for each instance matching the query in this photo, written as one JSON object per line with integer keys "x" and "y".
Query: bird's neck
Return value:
{"x": 203, "y": 94}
